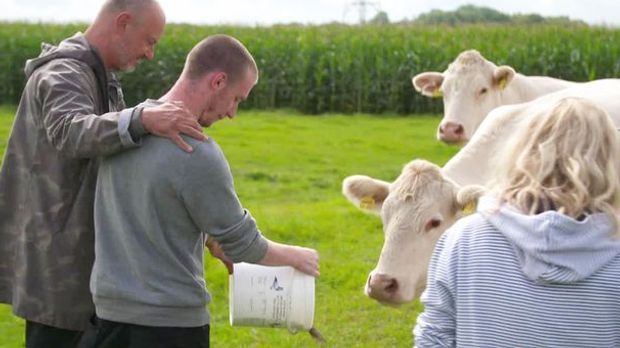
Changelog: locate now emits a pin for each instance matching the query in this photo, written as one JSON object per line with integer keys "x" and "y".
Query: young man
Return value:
{"x": 155, "y": 207}
{"x": 71, "y": 111}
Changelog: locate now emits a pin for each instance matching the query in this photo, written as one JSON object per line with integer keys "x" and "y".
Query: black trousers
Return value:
{"x": 44, "y": 336}
{"x": 110, "y": 334}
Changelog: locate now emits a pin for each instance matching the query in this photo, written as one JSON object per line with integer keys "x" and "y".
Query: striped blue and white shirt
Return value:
{"x": 499, "y": 278}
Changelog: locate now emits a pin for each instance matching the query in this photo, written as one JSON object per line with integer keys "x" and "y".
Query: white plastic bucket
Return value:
{"x": 271, "y": 297}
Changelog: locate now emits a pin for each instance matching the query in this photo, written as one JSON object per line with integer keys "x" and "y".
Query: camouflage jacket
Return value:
{"x": 47, "y": 187}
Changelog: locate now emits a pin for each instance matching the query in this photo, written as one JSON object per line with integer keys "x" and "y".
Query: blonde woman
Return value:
{"x": 538, "y": 264}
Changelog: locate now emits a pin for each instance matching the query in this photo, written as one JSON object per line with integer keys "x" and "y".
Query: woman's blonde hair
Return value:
{"x": 564, "y": 159}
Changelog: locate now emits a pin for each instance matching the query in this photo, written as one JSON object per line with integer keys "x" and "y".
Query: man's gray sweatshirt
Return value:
{"x": 154, "y": 206}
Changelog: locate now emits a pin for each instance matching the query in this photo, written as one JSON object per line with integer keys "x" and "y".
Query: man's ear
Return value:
{"x": 122, "y": 20}
{"x": 219, "y": 79}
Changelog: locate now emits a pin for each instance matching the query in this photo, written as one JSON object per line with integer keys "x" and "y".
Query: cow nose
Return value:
{"x": 451, "y": 131}
{"x": 381, "y": 287}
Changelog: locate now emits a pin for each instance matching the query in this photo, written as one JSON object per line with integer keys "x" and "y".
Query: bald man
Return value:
{"x": 71, "y": 112}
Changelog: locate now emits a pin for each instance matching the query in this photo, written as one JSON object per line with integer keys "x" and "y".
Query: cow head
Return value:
{"x": 415, "y": 209}
{"x": 471, "y": 87}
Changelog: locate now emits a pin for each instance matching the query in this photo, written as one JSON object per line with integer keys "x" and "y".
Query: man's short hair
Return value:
{"x": 219, "y": 53}
{"x": 126, "y": 5}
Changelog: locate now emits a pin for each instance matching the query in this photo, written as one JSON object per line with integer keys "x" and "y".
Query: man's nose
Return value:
{"x": 232, "y": 112}
{"x": 150, "y": 54}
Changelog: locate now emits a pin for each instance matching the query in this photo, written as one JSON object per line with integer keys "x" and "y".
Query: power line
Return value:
{"x": 362, "y": 6}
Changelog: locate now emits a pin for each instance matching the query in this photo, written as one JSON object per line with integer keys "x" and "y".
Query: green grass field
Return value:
{"x": 288, "y": 170}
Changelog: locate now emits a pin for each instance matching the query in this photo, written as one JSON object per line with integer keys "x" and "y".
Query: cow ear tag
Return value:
{"x": 469, "y": 208}
{"x": 367, "y": 203}
{"x": 437, "y": 93}
{"x": 502, "y": 84}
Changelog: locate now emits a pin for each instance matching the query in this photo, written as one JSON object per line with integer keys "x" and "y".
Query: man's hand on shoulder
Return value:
{"x": 170, "y": 120}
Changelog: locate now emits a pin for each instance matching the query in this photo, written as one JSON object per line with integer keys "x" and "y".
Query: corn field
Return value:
{"x": 342, "y": 68}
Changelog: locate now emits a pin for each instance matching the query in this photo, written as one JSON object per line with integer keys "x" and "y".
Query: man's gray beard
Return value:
{"x": 124, "y": 59}
{"x": 129, "y": 69}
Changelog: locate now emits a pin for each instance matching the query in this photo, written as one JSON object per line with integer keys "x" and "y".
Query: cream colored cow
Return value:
{"x": 415, "y": 209}
{"x": 425, "y": 199}
{"x": 472, "y": 86}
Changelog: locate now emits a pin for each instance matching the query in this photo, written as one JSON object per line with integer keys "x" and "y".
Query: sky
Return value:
{"x": 268, "y": 12}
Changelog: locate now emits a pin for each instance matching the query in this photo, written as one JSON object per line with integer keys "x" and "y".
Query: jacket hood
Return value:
{"x": 552, "y": 247}
{"x": 77, "y": 41}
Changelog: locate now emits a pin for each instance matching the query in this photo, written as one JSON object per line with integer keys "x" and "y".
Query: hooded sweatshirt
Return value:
{"x": 500, "y": 278}
{"x": 47, "y": 186}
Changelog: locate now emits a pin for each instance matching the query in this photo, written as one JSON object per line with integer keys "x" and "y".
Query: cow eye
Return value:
{"x": 483, "y": 91}
{"x": 432, "y": 223}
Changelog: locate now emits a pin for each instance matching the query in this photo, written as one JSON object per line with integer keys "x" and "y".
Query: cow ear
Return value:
{"x": 467, "y": 198}
{"x": 502, "y": 76}
{"x": 366, "y": 193}
{"x": 428, "y": 83}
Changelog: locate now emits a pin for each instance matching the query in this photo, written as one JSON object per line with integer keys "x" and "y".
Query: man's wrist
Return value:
{"x": 136, "y": 128}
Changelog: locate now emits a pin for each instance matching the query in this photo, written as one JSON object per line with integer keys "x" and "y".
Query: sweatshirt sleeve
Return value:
{"x": 209, "y": 196}
{"x": 68, "y": 103}
{"x": 436, "y": 326}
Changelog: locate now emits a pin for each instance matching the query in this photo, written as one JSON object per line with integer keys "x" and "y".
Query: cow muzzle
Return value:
{"x": 382, "y": 288}
{"x": 451, "y": 132}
